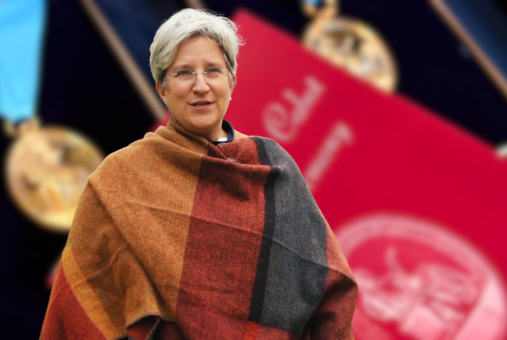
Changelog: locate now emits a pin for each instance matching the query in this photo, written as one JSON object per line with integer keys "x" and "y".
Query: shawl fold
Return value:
{"x": 175, "y": 238}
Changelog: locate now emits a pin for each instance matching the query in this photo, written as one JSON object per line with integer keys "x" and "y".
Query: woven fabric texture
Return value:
{"x": 176, "y": 238}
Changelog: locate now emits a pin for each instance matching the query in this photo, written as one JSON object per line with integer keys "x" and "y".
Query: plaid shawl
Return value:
{"x": 175, "y": 238}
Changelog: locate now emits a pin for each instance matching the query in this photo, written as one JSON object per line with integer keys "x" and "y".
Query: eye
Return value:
{"x": 184, "y": 73}
{"x": 213, "y": 70}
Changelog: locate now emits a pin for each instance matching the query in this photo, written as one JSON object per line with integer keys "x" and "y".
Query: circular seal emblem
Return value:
{"x": 419, "y": 281}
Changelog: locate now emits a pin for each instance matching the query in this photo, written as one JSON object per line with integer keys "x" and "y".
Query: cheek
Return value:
{"x": 224, "y": 94}
{"x": 175, "y": 98}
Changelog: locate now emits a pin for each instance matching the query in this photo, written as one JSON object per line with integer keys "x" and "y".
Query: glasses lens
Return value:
{"x": 213, "y": 73}
{"x": 184, "y": 75}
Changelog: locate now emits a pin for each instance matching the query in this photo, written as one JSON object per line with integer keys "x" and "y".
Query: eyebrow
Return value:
{"x": 182, "y": 67}
{"x": 207, "y": 64}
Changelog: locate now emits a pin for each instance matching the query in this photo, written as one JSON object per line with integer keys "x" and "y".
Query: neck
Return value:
{"x": 216, "y": 135}
{"x": 212, "y": 136}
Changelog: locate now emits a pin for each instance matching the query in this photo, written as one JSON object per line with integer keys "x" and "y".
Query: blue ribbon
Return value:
{"x": 312, "y": 2}
{"x": 21, "y": 32}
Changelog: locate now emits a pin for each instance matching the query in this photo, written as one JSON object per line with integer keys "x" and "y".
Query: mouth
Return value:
{"x": 201, "y": 103}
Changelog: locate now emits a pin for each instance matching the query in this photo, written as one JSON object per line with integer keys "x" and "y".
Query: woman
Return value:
{"x": 198, "y": 231}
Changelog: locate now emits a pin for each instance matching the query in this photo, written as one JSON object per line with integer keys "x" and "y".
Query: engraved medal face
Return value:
{"x": 47, "y": 170}
{"x": 418, "y": 280}
{"x": 354, "y": 46}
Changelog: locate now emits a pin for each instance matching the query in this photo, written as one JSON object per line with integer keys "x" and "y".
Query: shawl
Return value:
{"x": 176, "y": 238}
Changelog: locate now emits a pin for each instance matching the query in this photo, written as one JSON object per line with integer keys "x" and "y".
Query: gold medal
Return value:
{"x": 352, "y": 45}
{"x": 46, "y": 167}
{"x": 46, "y": 171}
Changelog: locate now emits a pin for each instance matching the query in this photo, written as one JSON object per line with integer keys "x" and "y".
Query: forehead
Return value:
{"x": 195, "y": 50}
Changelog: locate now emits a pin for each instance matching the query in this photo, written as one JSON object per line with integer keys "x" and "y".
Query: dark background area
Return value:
{"x": 84, "y": 88}
{"x": 502, "y": 4}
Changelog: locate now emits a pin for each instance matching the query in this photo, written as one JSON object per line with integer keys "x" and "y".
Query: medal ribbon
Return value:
{"x": 21, "y": 31}
{"x": 312, "y": 2}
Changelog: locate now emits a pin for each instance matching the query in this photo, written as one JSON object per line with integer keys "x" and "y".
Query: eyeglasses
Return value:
{"x": 189, "y": 76}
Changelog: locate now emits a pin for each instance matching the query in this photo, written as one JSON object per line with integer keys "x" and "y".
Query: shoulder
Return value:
{"x": 271, "y": 151}
{"x": 258, "y": 139}
{"x": 270, "y": 145}
{"x": 121, "y": 162}
{"x": 239, "y": 135}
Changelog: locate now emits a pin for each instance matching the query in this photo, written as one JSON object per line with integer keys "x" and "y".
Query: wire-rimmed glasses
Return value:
{"x": 188, "y": 76}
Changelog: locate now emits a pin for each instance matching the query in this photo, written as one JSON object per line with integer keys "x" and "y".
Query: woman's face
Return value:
{"x": 200, "y": 105}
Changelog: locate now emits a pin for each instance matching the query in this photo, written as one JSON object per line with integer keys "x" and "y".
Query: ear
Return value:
{"x": 234, "y": 82}
{"x": 160, "y": 90}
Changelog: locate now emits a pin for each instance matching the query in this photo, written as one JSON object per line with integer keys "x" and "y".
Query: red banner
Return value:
{"x": 417, "y": 205}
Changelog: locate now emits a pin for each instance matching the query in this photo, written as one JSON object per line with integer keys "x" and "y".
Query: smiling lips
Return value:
{"x": 201, "y": 103}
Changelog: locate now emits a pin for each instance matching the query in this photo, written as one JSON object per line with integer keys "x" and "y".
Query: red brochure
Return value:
{"x": 417, "y": 204}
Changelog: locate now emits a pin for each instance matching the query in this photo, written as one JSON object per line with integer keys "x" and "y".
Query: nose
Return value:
{"x": 200, "y": 84}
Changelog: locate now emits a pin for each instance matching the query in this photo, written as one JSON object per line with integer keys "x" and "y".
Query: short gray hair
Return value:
{"x": 189, "y": 23}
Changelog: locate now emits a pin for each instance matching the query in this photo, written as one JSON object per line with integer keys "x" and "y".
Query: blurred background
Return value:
{"x": 446, "y": 57}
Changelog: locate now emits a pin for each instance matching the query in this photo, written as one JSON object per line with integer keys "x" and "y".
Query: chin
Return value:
{"x": 204, "y": 122}
{"x": 201, "y": 129}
